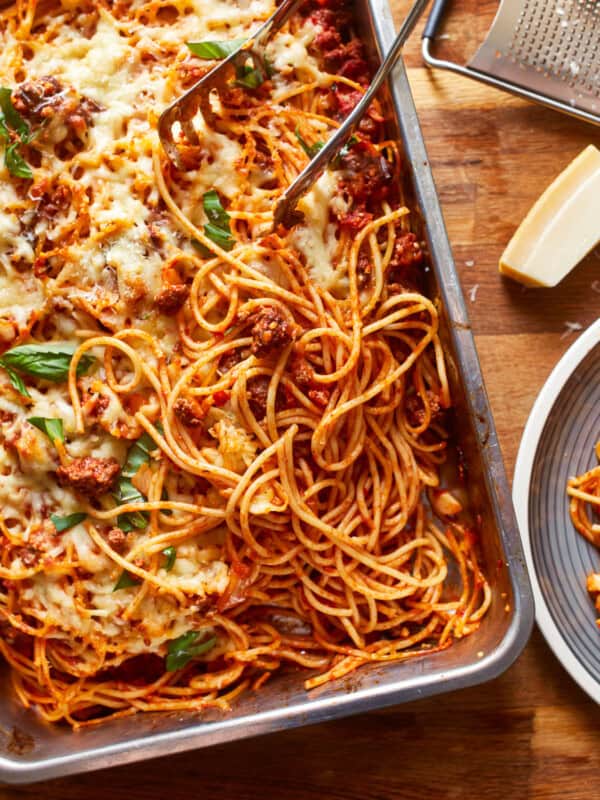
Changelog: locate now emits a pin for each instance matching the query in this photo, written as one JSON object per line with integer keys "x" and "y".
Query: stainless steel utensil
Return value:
{"x": 547, "y": 52}
{"x": 183, "y": 109}
{"x": 283, "y": 702}
{"x": 285, "y": 210}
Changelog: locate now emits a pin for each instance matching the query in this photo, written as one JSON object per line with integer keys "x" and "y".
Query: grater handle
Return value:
{"x": 434, "y": 19}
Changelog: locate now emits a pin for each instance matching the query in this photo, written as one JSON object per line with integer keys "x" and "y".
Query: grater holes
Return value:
{"x": 560, "y": 39}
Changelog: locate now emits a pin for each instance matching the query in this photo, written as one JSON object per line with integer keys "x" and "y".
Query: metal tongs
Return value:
{"x": 185, "y": 107}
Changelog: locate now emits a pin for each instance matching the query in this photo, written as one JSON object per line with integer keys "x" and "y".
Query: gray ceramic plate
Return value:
{"x": 558, "y": 442}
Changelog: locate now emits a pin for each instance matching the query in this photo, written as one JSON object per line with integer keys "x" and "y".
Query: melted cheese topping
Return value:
{"x": 91, "y": 236}
{"x": 316, "y": 238}
{"x": 289, "y": 52}
{"x": 114, "y": 266}
{"x": 20, "y": 291}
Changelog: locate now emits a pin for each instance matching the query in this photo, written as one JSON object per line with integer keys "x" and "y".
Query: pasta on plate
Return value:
{"x": 584, "y": 505}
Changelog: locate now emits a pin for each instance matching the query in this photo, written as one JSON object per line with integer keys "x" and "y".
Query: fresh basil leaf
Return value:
{"x": 65, "y": 523}
{"x": 204, "y": 646}
{"x": 215, "y": 50}
{"x": 15, "y": 163}
{"x": 311, "y": 150}
{"x": 127, "y": 493}
{"x": 269, "y": 67}
{"x": 126, "y": 581}
{"x": 182, "y": 642}
{"x": 183, "y": 649}
{"x": 170, "y": 553}
{"x": 4, "y": 132}
{"x": 348, "y": 146}
{"x": 223, "y": 238}
{"x": 213, "y": 208}
{"x": 249, "y": 78}
{"x": 139, "y": 453}
{"x": 202, "y": 249}
{"x": 132, "y": 520}
{"x": 17, "y": 382}
{"x": 53, "y": 428}
{"x": 167, "y": 511}
{"x": 33, "y": 135}
{"x": 205, "y": 252}
{"x": 344, "y": 151}
{"x": 48, "y": 361}
{"x": 11, "y": 115}
{"x": 217, "y": 229}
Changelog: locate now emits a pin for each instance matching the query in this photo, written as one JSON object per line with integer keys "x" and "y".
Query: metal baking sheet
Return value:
{"x": 31, "y": 750}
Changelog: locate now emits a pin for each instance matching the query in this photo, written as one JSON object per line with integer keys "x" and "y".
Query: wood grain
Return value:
{"x": 531, "y": 733}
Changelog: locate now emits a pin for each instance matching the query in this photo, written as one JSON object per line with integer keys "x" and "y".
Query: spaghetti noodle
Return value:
{"x": 584, "y": 508}
{"x": 222, "y": 448}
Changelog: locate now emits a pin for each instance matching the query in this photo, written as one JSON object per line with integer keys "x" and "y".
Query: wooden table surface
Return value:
{"x": 532, "y": 733}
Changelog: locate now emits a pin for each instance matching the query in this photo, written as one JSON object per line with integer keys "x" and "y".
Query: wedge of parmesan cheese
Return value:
{"x": 561, "y": 228}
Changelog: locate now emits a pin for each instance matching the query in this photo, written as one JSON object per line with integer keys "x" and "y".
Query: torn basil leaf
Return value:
{"x": 139, "y": 453}
{"x": 249, "y": 77}
{"x": 48, "y": 361}
{"x": 215, "y": 50}
{"x": 126, "y": 581}
{"x": 269, "y": 67}
{"x": 11, "y": 116}
{"x": 17, "y": 382}
{"x": 224, "y": 239}
{"x": 15, "y": 163}
{"x": 65, "y": 523}
{"x": 132, "y": 520}
{"x": 170, "y": 553}
{"x": 311, "y": 150}
{"x": 344, "y": 151}
{"x": 204, "y": 251}
{"x": 213, "y": 208}
{"x": 164, "y": 496}
{"x": 183, "y": 649}
{"x": 217, "y": 229}
{"x": 127, "y": 493}
{"x": 53, "y": 428}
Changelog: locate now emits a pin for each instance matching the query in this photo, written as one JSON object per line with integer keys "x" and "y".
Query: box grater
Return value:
{"x": 547, "y": 51}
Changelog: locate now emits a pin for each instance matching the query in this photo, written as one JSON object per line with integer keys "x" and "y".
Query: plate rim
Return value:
{"x": 528, "y": 447}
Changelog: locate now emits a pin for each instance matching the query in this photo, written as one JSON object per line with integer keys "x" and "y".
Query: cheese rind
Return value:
{"x": 561, "y": 228}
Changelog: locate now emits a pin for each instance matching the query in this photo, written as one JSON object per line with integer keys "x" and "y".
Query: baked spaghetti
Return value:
{"x": 221, "y": 447}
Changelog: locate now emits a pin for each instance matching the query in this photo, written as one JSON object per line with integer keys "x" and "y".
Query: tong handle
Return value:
{"x": 277, "y": 19}
{"x": 284, "y": 211}
{"x": 179, "y": 109}
{"x": 434, "y": 19}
